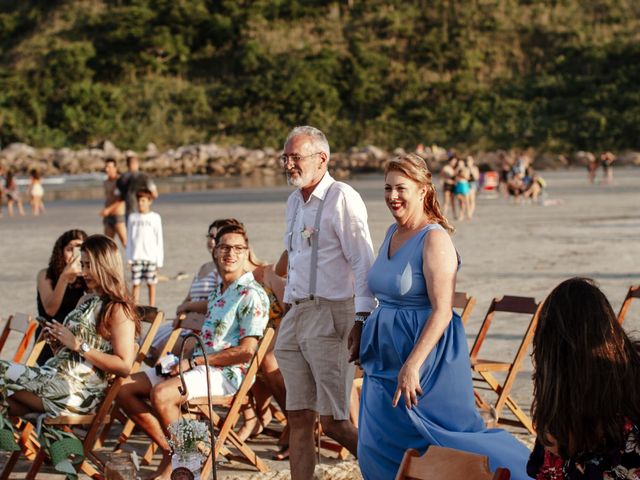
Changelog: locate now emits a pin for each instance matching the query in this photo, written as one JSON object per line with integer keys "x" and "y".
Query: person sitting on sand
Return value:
{"x": 536, "y": 186}
{"x": 586, "y": 405}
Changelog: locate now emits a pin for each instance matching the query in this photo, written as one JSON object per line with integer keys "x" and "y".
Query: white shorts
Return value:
{"x": 197, "y": 382}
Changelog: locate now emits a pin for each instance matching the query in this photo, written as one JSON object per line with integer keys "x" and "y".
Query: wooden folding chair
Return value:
{"x": 226, "y": 435}
{"x": 94, "y": 423}
{"x": 185, "y": 322}
{"x": 634, "y": 292}
{"x": 439, "y": 462}
{"x": 463, "y": 302}
{"x": 23, "y": 324}
{"x": 515, "y": 305}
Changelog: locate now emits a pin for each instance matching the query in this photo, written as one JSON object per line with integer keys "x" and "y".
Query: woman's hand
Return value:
{"x": 63, "y": 335}
{"x": 408, "y": 385}
{"x": 71, "y": 271}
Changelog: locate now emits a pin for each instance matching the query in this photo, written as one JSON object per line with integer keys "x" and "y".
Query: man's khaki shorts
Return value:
{"x": 311, "y": 350}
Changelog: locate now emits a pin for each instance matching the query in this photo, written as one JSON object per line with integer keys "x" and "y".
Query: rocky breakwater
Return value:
{"x": 217, "y": 160}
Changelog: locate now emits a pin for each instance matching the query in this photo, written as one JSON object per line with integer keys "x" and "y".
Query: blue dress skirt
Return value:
{"x": 446, "y": 414}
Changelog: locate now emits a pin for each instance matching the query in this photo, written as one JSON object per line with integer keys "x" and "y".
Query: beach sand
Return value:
{"x": 590, "y": 230}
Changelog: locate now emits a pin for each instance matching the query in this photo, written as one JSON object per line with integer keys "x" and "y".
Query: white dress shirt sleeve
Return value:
{"x": 351, "y": 227}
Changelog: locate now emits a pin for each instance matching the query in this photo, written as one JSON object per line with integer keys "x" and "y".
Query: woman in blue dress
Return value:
{"x": 417, "y": 388}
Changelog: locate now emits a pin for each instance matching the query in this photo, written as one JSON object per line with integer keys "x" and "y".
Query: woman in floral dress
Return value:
{"x": 95, "y": 340}
{"x": 586, "y": 389}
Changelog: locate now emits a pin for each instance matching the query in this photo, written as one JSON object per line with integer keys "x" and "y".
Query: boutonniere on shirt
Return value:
{"x": 307, "y": 232}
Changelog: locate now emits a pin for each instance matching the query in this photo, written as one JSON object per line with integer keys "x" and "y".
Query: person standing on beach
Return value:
{"x": 12, "y": 193}
{"x": 606, "y": 160}
{"x": 417, "y": 389}
{"x": 145, "y": 247}
{"x": 113, "y": 212}
{"x": 132, "y": 181}
{"x": 36, "y": 192}
{"x": 330, "y": 253}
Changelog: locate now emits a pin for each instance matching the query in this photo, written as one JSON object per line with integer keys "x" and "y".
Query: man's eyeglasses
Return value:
{"x": 237, "y": 249}
{"x": 295, "y": 157}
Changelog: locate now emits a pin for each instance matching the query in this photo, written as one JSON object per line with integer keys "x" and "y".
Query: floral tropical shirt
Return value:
{"x": 242, "y": 310}
{"x": 615, "y": 464}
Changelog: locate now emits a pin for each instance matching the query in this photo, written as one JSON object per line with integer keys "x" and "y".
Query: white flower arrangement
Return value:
{"x": 307, "y": 232}
{"x": 186, "y": 436}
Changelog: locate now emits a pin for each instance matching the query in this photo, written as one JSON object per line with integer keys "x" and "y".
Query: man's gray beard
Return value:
{"x": 294, "y": 183}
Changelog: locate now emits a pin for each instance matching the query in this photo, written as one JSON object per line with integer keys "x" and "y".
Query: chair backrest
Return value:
{"x": 21, "y": 323}
{"x": 234, "y": 403}
{"x": 633, "y": 292}
{"x": 440, "y": 463}
{"x": 508, "y": 304}
{"x": 463, "y": 302}
{"x": 154, "y": 318}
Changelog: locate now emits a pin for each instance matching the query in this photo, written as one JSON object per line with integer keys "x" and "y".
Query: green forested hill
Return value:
{"x": 555, "y": 75}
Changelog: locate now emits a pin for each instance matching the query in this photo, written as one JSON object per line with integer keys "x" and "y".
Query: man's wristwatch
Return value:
{"x": 84, "y": 348}
{"x": 360, "y": 318}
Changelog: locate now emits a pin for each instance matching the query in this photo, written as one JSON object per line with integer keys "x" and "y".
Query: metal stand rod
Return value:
{"x": 183, "y": 391}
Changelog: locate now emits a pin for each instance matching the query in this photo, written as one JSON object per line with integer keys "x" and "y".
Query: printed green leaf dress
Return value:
{"x": 66, "y": 383}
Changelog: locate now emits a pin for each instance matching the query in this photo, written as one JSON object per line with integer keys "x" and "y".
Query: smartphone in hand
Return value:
{"x": 76, "y": 257}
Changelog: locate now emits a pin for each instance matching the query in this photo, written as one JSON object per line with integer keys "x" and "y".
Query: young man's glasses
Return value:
{"x": 295, "y": 158}
{"x": 237, "y": 249}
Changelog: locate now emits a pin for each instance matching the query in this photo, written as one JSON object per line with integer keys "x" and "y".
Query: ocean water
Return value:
{"x": 90, "y": 185}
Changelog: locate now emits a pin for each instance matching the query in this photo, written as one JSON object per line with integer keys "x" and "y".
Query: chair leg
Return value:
{"x": 32, "y": 474}
{"x": 127, "y": 430}
{"x": 89, "y": 470}
{"x": 247, "y": 452}
{"x": 149, "y": 453}
{"x": 505, "y": 399}
{"x": 10, "y": 465}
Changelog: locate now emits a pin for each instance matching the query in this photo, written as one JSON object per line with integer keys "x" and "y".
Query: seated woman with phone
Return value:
{"x": 96, "y": 339}
{"x": 60, "y": 285}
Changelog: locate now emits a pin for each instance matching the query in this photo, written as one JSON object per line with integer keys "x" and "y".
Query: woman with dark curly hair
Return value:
{"x": 586, "y": 405}
{"x": 60, "y": 285}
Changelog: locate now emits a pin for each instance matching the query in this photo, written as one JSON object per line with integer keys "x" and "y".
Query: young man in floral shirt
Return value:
{"x": 237, "y": 315}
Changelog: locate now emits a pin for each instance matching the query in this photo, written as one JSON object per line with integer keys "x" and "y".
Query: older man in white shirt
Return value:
{"x": 330, "y": 253}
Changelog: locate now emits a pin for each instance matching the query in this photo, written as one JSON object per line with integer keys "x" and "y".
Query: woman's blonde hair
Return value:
{"x": 414, "y": 167}
{"x": 105, "y": 264}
